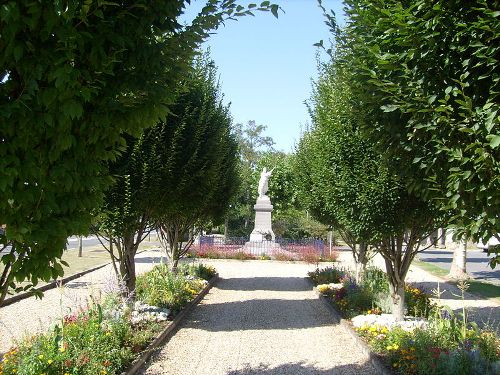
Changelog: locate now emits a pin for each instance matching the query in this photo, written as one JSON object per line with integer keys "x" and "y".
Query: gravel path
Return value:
{"x": 261, "y": 318}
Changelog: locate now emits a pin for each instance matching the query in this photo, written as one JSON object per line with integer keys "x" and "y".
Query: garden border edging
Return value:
{"x": 375, "y": 359}
{"x": 169, "y": 331}
{"x": 53, "y": 284}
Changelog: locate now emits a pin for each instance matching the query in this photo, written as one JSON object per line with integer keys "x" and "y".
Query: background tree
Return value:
{"x": 290, "y": 220}
{"x": 428, "y": 73}
{"x": 197, "y": 161}
{"x": 252, "y": 144}
{"x": 75, "y": 77}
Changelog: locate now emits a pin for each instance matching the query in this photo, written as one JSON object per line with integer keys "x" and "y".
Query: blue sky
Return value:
{"x": 266, "y": 65}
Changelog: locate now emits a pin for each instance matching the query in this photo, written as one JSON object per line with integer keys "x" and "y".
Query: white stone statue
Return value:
{"x": 263, "y": 182}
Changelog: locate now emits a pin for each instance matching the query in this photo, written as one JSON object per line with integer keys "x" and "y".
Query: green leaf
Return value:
{"x": 389, "y": 108}
{"x": 274, "y": 10}
{"x": 494, "y": 140}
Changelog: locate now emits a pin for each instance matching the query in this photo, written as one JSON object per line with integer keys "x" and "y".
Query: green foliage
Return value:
{"x": 196, "y": 159}
{"x": 75, "y": 78}
{"x": 375, "y": 280}
{"x": 202, "y": 271}
{"x": 428, "y": 74}
{"x": 85, "y": 344}
{"x": 326, "y": 275}
{"x": 164, "y": 288}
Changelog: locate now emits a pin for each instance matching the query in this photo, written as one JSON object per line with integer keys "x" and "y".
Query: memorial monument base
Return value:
{"x": 262, "y": 237}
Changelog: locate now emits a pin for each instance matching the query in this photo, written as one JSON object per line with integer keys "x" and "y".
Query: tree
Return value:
{"x": 197, "y": 159}
{"x": 252, "y": 144}
{"x": 334, "y": 158}
{"x": 428, "y": 72}
{"x": 76, "y": 77}
{"x": 354, "y": 186}
{"x": 125, "y": 218}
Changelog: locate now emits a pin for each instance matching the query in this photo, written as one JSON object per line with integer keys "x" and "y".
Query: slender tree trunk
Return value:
{"x": 361, "y": 261}
{"x": 80, "y": 246}
{"x": 226, "y": 227}
{"x": 459, "y": 264}
{"x": 398, "y": 301}
{"x": 442, "y": 238}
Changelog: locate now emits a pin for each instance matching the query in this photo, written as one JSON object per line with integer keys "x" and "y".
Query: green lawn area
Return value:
{"x": 479, "y": 288}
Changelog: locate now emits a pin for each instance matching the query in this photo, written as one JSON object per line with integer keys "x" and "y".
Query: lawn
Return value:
{"x": 479, "y": 288}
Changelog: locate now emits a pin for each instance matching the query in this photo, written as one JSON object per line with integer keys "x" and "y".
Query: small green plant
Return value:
{"x": 164, "y": 288}
{"x": 202, "y": 271}
{"x": 326, "y": 275}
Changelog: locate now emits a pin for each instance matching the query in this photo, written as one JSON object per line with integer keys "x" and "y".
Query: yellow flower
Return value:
{"x": 40, "y": 356}
{"x": 62, "y": 349}
{"x": 50, "y": 361}
{"x": 108, "y": 333}
{"x": 103, "y": 372}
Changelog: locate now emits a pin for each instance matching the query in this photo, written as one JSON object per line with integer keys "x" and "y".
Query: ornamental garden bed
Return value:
{"x": 114, "y": 335}
{"x": 432, "y": 340}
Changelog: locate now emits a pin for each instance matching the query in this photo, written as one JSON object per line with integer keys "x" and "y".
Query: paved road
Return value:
{"x": 477, "y": 263}
{"x": 261, "y": 318}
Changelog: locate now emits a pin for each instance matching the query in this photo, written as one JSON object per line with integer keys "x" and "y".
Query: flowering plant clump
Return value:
{"x": 103, "y": 338}
{"x": 82, "y": 344}
{"x": 431, "y": 350}
{"x": 326, "y": 275}
{"x": 418, "y": 302}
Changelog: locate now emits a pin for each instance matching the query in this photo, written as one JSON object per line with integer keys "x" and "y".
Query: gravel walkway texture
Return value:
{"x": 261, "y": 318}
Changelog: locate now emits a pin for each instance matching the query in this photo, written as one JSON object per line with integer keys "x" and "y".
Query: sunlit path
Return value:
{"x": 261, "y": 318}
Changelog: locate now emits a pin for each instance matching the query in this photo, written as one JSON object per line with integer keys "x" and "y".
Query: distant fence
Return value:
{"x": 238, "y": 247}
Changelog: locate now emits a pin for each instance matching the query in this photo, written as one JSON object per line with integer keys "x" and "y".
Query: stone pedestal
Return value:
{"x": 263, "y": 230}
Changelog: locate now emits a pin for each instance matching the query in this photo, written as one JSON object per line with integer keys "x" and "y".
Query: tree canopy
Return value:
{"x": 428, "y": 74}
{"x": 75, "y": 77}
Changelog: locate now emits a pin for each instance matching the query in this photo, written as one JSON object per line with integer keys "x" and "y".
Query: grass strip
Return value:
{"x": 479, "y": 288}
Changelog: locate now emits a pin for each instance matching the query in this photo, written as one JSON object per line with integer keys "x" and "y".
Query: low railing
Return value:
{"x": 282, "y": 249}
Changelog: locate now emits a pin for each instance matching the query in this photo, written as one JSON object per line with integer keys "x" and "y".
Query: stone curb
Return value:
{"x": 169, "y": 331}
{"x": 51, "y": 285}
{"x": 375, "y": 359}
{"x": 54, "y": 284}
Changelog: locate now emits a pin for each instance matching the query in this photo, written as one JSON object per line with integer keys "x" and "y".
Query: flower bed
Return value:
{"x": 432, "y": 340}
{"x": 106, "y": 336}
{"x": 304, "y": 253}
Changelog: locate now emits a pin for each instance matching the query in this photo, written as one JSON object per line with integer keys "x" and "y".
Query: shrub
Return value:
{"x": 163, "y": 288}
{"x": 326, "y": 275}
{"x": 375, "y": 280}
{"x": 202, "y": 271}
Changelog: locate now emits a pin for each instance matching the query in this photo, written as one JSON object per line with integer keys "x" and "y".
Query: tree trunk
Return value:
{"x": 459, "y": 264}
{"x": 129, "y": 276}
{"x": 226, "y": 226}
{"x": 80, "y": 246}
{"x": 127, "y": 264}
{"x": 442, "y": 238}
{"x": 361, "y": 261}
{"x": 398, "y": 301}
